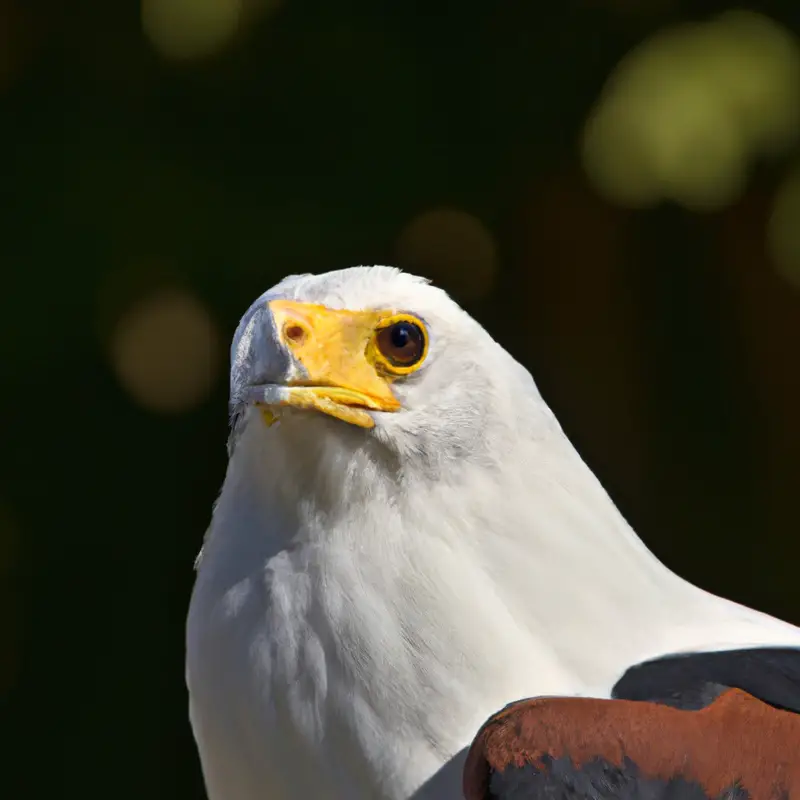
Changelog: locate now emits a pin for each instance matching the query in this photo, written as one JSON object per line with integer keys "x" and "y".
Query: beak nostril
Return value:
{"x": 294, "y": 333}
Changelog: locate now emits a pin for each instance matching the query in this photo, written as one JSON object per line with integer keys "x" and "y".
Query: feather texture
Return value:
{"x": 367, "y": 598}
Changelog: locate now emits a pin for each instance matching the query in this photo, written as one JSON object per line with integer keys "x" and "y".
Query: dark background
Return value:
{"x": 164, "y": 163}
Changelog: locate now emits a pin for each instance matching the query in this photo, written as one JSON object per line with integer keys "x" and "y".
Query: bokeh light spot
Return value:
{"x": 185, "y": 30}
{"x": 686, "y": 111}
{"x": 166, "y": 352}
{"x": 452, "y": 248}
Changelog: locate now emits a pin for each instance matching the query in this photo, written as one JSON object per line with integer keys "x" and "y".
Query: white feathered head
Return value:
{"x": 376, "y": 353}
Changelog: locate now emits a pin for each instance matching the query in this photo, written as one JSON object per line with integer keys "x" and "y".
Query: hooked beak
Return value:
{"x": 330, "y": 368}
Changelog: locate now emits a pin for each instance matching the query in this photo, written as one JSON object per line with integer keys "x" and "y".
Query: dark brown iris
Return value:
{"x": 401, "y": 343}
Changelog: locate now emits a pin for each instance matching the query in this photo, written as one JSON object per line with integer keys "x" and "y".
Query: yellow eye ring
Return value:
{"x": 399, "y": 344}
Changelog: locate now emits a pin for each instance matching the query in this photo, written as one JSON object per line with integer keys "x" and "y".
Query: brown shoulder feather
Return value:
{"x": 736, "y": 741}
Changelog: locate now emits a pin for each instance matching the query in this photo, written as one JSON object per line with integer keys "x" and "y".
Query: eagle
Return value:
{"x": 412, "y": 585}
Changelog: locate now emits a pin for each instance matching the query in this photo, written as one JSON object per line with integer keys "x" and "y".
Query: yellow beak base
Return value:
{"x": 331, "y": 347}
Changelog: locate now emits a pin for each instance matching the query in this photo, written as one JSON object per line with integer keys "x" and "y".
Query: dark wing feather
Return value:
{"x": 562, "y": 778}
{"x": 693, "y": 680}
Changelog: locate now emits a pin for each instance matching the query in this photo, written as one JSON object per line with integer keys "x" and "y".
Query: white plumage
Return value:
{"x": 367, "y": 597}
